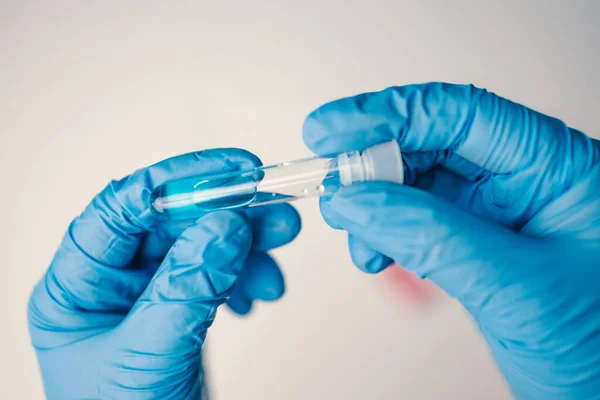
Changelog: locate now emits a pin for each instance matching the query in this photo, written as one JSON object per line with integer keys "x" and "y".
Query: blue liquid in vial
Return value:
{"x": 191, "y": 198}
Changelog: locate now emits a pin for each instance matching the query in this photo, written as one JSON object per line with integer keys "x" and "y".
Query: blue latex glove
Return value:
{"x": 501, "y": 210}
{"x": 123, "y": 310}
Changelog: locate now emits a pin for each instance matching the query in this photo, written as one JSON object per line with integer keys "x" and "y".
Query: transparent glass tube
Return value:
{"x": 191, "y": 197}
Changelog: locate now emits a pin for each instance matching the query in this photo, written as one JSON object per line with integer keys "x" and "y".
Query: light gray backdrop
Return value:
{"x": 91, "y": 90}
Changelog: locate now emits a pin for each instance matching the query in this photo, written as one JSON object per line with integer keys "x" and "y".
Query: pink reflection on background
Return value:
{"x": 408, "y": 287}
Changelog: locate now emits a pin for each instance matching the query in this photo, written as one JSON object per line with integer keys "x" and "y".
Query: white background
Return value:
{"x": 90, "y": 91}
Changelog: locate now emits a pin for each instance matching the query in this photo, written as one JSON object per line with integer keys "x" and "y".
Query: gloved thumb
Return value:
{"x": 167, "y": 326}
{"x": 466, "y": 256}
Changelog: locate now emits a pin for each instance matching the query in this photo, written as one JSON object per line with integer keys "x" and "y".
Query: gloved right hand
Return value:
{"x": 501, "y": 210}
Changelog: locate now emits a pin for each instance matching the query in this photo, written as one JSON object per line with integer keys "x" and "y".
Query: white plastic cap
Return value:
{"x": 382, "y": 162}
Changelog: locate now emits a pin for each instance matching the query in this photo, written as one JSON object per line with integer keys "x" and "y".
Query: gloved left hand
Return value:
{"x": 124, "y": 307}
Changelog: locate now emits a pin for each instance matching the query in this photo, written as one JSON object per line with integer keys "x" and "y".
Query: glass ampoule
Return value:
{"x": 287, "y": 181}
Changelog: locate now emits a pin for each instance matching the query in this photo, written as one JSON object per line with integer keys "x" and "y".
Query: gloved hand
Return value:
{"x": 501, "y": 209}
{"x": 123, "y": 310}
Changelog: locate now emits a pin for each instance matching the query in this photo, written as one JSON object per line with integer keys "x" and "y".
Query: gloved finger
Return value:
{"x": 365, "y": 257}
{"x": 272, "y": 226}
{"x": 240, "y": 305}
{"x": 480, "y": 197}
{"x": 421, "y": 162}
{"x": 167, "y": 326}
{"x": 433, "y": 238}
{"x": 88, "y": 272}
{"x": 156, "y": 243}
{"x": 331, "y": 186}
{"x": 471, "y": 188}
{"x": 465, "y": 184}
{"x": 261, "y": 279}
{"x": 420, "y": 170}
{"x": 328, "y": 216}
{"x": 487, "y": 130}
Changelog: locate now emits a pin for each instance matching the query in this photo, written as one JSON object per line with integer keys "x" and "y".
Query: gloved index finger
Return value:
{"x": 111, "y": 228}
{"x": 491, "y": 132}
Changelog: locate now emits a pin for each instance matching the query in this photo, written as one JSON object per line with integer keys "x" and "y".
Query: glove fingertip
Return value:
{"x": 234, "y": 157}
{"x": 365, "y": 258}
{"x": 265, "y": 280}
{"x": 328, "y": 213}
{"x": 274, "y": 225}
{"x": 240, "y": 305}
{"x": 312, "y": 132}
